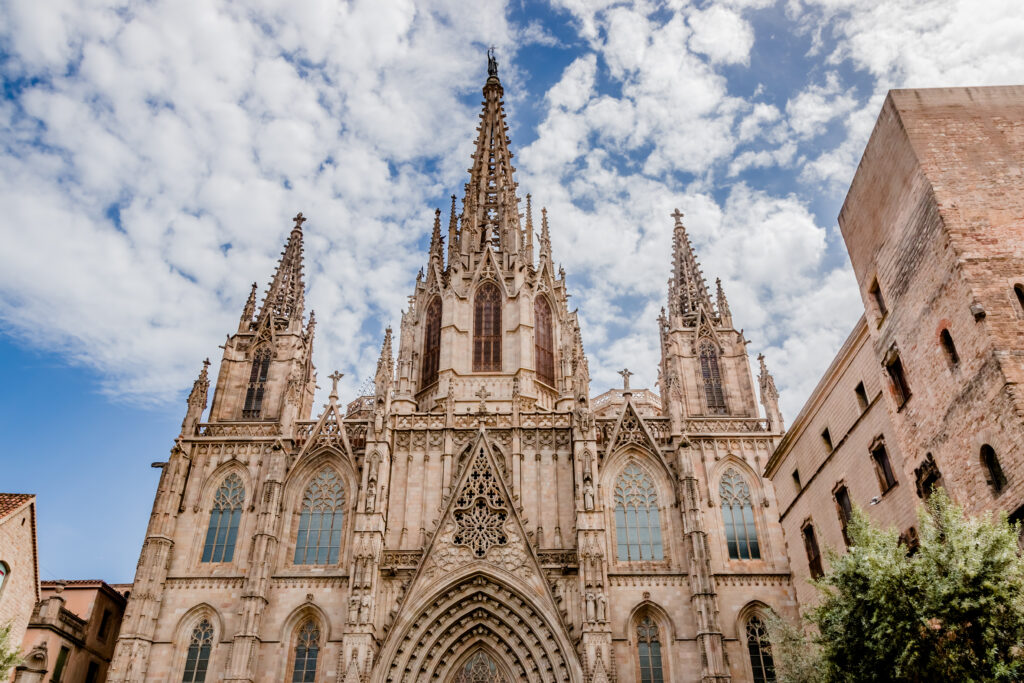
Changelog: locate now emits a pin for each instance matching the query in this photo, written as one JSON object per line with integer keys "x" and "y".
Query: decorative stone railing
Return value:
{"x": 236, "y": 429}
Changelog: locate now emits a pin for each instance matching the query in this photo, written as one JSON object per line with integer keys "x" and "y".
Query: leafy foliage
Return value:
{"x": 952, "y": 611}
{"x": 9, "y": 654}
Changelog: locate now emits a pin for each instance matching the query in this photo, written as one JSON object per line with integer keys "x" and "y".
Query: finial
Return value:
{"x": 492, "y": 63}
{"x": 626, "y": 374}
{"x": 299, "y": 220}
{"x": 678, "y": 215}
{"x": 334, "y": 377}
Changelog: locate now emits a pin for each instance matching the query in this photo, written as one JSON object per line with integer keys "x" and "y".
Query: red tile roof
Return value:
{"x": 9, "y": 502}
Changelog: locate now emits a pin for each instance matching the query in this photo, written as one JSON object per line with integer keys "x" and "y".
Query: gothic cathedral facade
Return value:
{"x": 479, "y": 517}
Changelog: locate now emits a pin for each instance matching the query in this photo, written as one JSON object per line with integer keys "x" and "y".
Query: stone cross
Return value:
{"x": 482, "y": 394}
{"x": 626, "y": 374}
{"x": 299, "y": 220}
{"x": 334, "y": 377}
{"x": 678, "y": 215}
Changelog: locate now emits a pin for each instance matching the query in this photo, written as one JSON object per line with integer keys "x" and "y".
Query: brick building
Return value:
{"x": 19, "y": 561}
{"x": 72, "y": 632}
{"x": 934, "y": 225}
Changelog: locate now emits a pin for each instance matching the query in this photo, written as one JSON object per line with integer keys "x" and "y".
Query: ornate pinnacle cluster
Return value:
{"x": 687, "y": 290}
{"x": 285, "y": 296}
{"x": 200, "y": 388}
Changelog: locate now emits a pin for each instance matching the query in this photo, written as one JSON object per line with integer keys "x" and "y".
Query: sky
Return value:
{"x": 154, "y": 152}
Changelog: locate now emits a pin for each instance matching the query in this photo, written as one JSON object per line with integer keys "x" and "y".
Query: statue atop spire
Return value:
{"x": 492, "y": 63}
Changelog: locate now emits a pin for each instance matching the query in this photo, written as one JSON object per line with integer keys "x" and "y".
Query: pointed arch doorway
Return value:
{"x": 480, "y": 667}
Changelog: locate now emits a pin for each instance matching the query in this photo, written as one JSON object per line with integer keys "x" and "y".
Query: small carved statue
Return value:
{"x": 364, "y": 609}
{"x": 601, "y": 600}
{"x": 590, "y": 607}
{"x": 353, "y": 609}
{"x": 371, "y": 496}
{"x": 588, "y": 495}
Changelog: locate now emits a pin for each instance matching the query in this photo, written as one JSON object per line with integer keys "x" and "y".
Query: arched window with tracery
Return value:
{"x": 738, "y": 517}
{"x": 649, "y": 650}
{"x": 637, "y": 522}
{"x": 487, "y": 329}
{"x": 307, "y": 649}
{"x": 197, "y": 661}
{"x": 431, "y": 343}
{"x": 760, "y": 649}
{"x": 257, "y": 383}
{"x": 544, "y": 341}
{"x": 480, "y": 668}
{"x": 711, "y": 376}
{"x": 222, "y": 532}
{"x": 320, "y": 520}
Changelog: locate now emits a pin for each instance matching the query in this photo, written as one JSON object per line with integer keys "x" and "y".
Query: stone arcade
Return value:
{"x": 478, "y": 518}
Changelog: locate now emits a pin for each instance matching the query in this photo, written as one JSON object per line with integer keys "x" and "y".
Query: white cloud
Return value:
{"x": 721, "y": 34}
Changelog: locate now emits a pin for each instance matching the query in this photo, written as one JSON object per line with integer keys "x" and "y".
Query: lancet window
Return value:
{"x": 307, "y": 649}
{"x": 480, "y": 668}
{"x": 649, "y": 650}
{"x": 714, "y": 395}
{"x": 431, "y": 343}
{"x": 320, "y": 520}
{"x": 543, "y": 341}
{"x": 224, "y": 518}
{"x": 257, "y": 383}
{"x": 738, "y": 517}
{"x": 637, "y": 522}
{"x": 760, "y": 650}
{"x": 487, "y": 329}
{"x": 197, "y": 661}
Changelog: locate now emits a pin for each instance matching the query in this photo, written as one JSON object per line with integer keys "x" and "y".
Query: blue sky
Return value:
{"x": 154, "y": 152}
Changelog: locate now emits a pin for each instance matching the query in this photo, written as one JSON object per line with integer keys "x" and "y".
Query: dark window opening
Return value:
{"x": 827, "y": 438}
{"x": 862, "y": 396}
{"x": 928, "y": 477}
{"x": 994, "y": 471}
{"x": 1018, "y": 289}
{"x": 845, "y": 509}
{"x": 104, "y": 625}
{"x": 93, "y": 673}
{"x": 911, "y": 541}
{"x": 257, "y": 383}
{"x": 947, "y": 344}
{"x": 62, "y": 660}
{"x": 487, "y": 329}
{"x": 894, "y": 366}
{"x": 712, "y": 377}
{"x": 876, "y": 294}
{"x": 543, "y": 341}
{"x": 883, "y": 468}
{"x": 813, "y": 553}
{"x": 431, "y": 343}
{"x": 796, "y": 479}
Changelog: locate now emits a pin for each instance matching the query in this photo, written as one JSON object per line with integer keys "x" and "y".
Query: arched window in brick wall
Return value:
{"x": 200, "y": 645}
{"x": 543, "y": 341}
{"x": 637, "y": 521}
{"x": 711, "y": 376}
{"x": 487, "y": 329}
{"x": 760, "y": 650}
{"x": 257, "y": 383}
{"x": 222, "y": 532}
{"x": 320, "y": 520}
{"x": 307, "y": 650}
{"x": 993, "y": 470}
{"x": 431, "y": 343}
{"x": 649, "y": 651}
{"x": 738, "y": 517}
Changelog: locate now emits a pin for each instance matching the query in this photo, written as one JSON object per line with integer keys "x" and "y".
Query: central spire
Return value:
{"x": 490, "y": 206}
{"x": 687, "y": 289}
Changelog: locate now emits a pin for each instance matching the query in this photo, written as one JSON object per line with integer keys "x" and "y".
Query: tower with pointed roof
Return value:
{"x": 475, "y": 515}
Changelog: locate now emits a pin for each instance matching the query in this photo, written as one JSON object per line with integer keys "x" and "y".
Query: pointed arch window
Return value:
{"x": 480, "y": 668}
{"x": 320, "y": 520}
{"x": 224, "y": 517}
{"x": 649, "y": 650}
{"x": 487, "y": 329}
{"x": 760, "y": 650}
{"x": 431, "y": 343}
{"x": 996, "y": 479}
{"x": 714, "y": 396}
{"x": 738, "y": 517}
{"x": 637, "y": 521}
{"x": 307, "y": 650}
{"x": 257, "y": 383}
{"x": 197, "y": 661}
{"x": 543, "y": 341}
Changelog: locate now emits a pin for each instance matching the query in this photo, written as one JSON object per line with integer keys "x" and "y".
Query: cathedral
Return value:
{"x": 479, "y": 516}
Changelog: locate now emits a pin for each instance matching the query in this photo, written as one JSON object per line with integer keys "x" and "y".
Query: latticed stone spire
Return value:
{"x": 386, "y": 361}
{"x": 687, "y": 289}
{"x": 286, "y": 295}
{"x": 453, "y": 235}
{"x": 545, "y": 235}
{"x": 723, "y": 304}
{"x": 436, "y": 244}
{"x": 769, "y": 396}
{"x": 490, "y": 206}
{"x": 529, "y": 229}
{"x": 248, "y": 311}
{"x": 200, "y": 388}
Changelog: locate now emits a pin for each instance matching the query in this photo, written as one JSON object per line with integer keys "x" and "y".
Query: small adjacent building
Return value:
{"x": 72, "y": 632}
{"x": 19, "y": 561}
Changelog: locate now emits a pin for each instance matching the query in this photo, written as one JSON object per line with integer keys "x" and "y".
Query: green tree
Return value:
{"x": 8, "y": 653}
{"x": 953, "y": 611}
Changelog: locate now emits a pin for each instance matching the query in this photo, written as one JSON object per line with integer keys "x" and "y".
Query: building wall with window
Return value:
{"x": 72, "y": 633}
{"x": 864, "y": 459}
{"x": 933, "y": 224}
{"x": 19, "y": 564}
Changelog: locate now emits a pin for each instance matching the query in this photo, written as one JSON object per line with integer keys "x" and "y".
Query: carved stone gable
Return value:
{"x": 480, "y": 513}
{"x": 632, "y": 430}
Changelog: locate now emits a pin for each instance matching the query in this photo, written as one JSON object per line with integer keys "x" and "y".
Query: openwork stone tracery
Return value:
{"x": 480, "y": 513}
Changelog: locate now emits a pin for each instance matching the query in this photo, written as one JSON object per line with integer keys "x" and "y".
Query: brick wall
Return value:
{"x": 21, "y": 590}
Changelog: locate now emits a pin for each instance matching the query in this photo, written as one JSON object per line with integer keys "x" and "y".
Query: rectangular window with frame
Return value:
{"x": 898, "y": 377}
{"x": 862, "y": 396}
{"x": 104, "y": 625}
{"x": 883, "y": 468}
{"x": 62, "y": 661}
{"x": 796, "y": 479}
{"x": 813, "y": 553}
{"x": 826, "y": 437}
{"x": 876, "y": 294}
{"x": 93, "y": 673}
{"x": 845, "y": 509}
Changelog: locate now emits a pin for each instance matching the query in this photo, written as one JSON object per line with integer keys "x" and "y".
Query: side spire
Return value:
{"x": 687, "y": 289}
{"x": 285, "y": 297}
{"x": 436, "y": 245}
{"x": 197, "y": 400}
{"x": 529, "y": 229}
{"x": 248, "y": 311}
{"x": 770, "y": 397}
{"x": 545, "y": 235}
{"x": 722, "y": 303}
{"x": 453, "y": 236}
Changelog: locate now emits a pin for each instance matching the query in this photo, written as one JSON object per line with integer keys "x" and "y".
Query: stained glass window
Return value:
{"x": 543, "y": 341}
{"x": 307, "y": 649}
{"x": 199, "y": 647}
{"x": 431, "y": 343}
{"x": 320, "y": 521}
{"x": 637, "y": 523}
{"x": 712, "y": 377}
{"x": 257, "y": 383}
{"x": 650, "y": 652}
{"x": 738, "y": 517}
{"x": 480, "y": 668}
{"x": 224, "y": 517}
{"x": 487, "y": 329}
{"x": 760, "y": 649}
